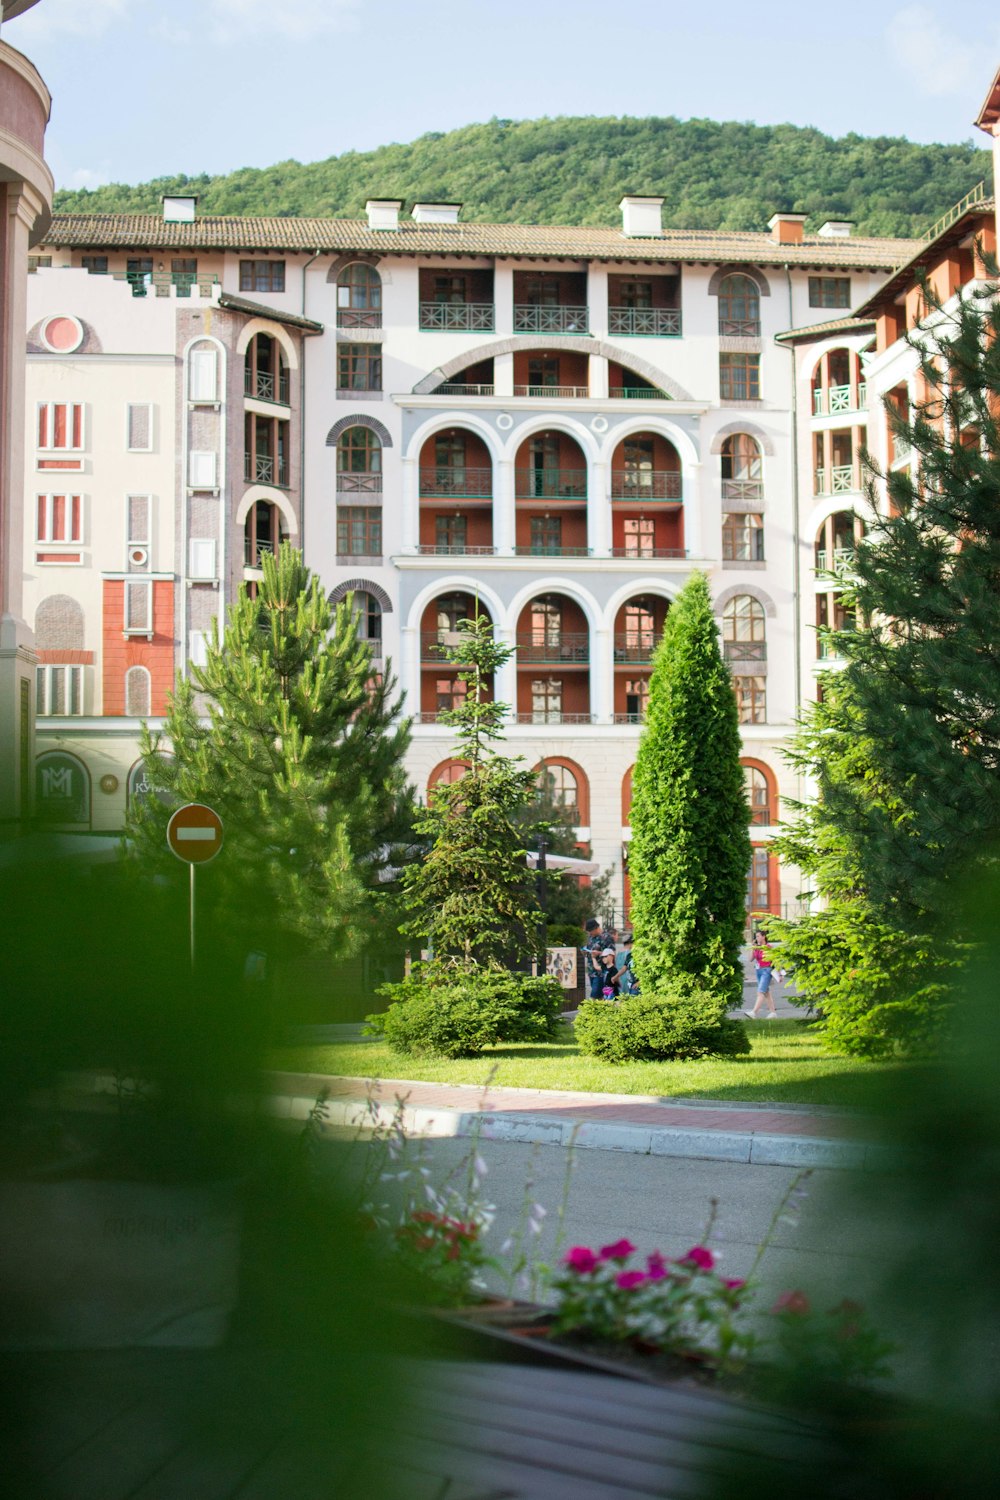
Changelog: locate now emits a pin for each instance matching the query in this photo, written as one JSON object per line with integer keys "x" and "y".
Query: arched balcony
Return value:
{"x": 265, "y": 370}
{"x": 550, "y": 490}
{"x": 647, "y": 514}
{"x": 553, "y": 662}
{"x": 837, "y": 384}
{"x": 551, "y": 374}
{"x": 836, "y": 540}
{"x": 440, "y": 628}
{"x": 638, "y": 627}
{"x": 359, "y": 462}
{"x": 456, "y": 495}
{"x": 359, "y": 297}
{"x": 263, "y": 531}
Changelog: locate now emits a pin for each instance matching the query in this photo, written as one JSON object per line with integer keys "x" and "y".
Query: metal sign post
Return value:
{"x": 194, "y": 835}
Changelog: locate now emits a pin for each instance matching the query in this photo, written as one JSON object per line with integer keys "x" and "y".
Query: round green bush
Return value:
{"x": 456, "y": 1013}
{"x": 659, "y": 1027}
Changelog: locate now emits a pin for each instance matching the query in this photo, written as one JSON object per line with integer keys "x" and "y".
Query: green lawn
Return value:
{"x": 788, "y": 1065}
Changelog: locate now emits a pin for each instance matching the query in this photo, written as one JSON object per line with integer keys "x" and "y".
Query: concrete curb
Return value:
{"x": 643, "y": 1140}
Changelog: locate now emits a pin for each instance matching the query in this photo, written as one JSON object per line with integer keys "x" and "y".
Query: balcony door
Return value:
{"x": 546, "y": 623}
{"x": 449, "y": 460}
{"x": 544, "y": 460}
{"x": 639, "y": 465}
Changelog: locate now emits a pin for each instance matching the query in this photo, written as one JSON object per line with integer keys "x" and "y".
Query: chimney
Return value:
{"x": 179, "y": 210}
{"x": 383, "y": 213}
{"x": 641, "y": 217}
{"x": 836, "y": 229}
{"x": 786, "y": 229}
{"x": 436, "y": 213}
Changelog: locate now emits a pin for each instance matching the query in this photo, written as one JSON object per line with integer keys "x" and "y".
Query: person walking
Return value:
{"x": 764, "y": 967}
{"x": 593, "y": 947}
{"x": 609, "y": 976}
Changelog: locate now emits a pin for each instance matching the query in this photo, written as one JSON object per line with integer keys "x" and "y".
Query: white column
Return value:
{"x": 602, "y": 669}
{"x": 598, "y": 377}
{"x": 503, "y": 376}
{"x": 503, "y": 298}
{"x": 411, "y": 506}
{"x": 598, "y": 510}
{"x": 409, "y": 666}
{"x": 597, "y": 302}
{"x": 693, "y": 528}
{"x": 505, "y": 685}
{"x": 503, "y": 505}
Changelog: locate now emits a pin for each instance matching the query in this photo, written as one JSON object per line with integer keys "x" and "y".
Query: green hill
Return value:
{"x": 574, "y": 171}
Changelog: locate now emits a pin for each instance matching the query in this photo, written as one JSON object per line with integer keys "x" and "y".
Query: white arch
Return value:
{"x": 658, "y": 586}
{"x": 276, "y": 332}
{"x": 459, "y": 583}
{"x": 571, "y": 426}
{"x": 687, "y": 450}
{"x": 736, "y": 590}
{"x": 273, "y": 497}
{"x": 813, "y": 353}
{"x": 468, "y": 420}
{"x": 556, "y": 585}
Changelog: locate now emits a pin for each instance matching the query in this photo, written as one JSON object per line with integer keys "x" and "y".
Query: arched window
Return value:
{"x": 359, "y": 297}
{"x": 739, "y": 307}
{"x": 743, "y": 620}
{"x": 138, "y": 689}
{"x": 558, "y": 785}
{"x": 264, "y": 532}
{"x": 760, "y": 796}
{"x": 265, "y": 370}
{"x": 359, "y": 461}
{"x": 368, "y": 613}
{"x": 740, "y": 463}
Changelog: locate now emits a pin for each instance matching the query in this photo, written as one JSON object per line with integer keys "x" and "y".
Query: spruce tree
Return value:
{"x": 288, "y": 734}
{"x": 471, "y": 897}
{"x": 690, "y": 848}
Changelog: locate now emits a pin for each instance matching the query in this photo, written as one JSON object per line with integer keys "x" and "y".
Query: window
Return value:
{"x": 138, "y": 527}
{"x": 451, "y": 610}
{"x": 265, "y": 371}
{"x": 638, "y": 458}
{"x": 758, "y": 795}
{"x": 58, "y": 689}
{"x": 558, "y": 785}
{"x": 359, "y": 297}
{"x": 59, "y": 518}
{"x": 137, "y": 693}
{"x": 546, "y": 536}
{"x": 262, "y": 533}
{"x": 640, "y": 536}
{"x": 39, "y": 263}
{"x": 450, "y": 533}
{"x": 368, "y": 613}
{"x": 635, "y": 294}
{"x": 95, "y": 265}
{"x": 636, "y": 698}
{"x": 751, "y": 703}
{"x": 758, "y": 896}
{"x": 139, "y": 274}
{"x": 450, "y": 289}
{"x": 543, "y": 373}
{"x": 265, "y": 455}
{"x": 359, "y": 531}
{"x": 183, "y": 275}
{"x": 743, "y": 538}
{"x": 359, "y": 451}
{"x": 139, "y": 427}
{"x": 546, "y": 623}
{"x": 138, "y": 607}
{"x": 262, "y": 275}
{"x": 740, "y": 459}
{"x": 743, "y": 630}
{"x": 359, "y": 367}
{"x": 60, "y": 425}
{"x": 829, "y": 291}
{"x": 449, "y": 694}
{"x": 739, "y": 307}
{"x": 202, "y": 377}
{"x": 739, "y": 377}
{"x": 546, "y": 700}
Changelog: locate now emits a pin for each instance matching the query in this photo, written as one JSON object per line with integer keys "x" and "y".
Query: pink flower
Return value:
{"x": 796, "y": 1304}
{"x": 700, "y": 1256}
{"x": 580, "y": 1259}
{"x": 734, "y": 1283}
{"x": 628, "y": 1279}
{"x": 620, "y": 1250}
{"x": 656, "y": 1267}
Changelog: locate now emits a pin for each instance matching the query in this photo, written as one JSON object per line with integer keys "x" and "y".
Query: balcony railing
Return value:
{"x": 464, "y": 484}
{"x": 648, "y": 322}
{"x": 259, "y": 468}
{"x": 829, "y": 650}
{"x": 744, "y": 650}
{"x": 552, "y": 716}
{"x": 261, "y": 385}
{"x": 358, "y": 483}
{"x": 453, "y": 549}
{"x": 743, "y": 489}
{"x": 162, "y": 283}
{"x": 838, "y": 398}
{"x": 901, "y": 450}
{"x": 569, "y": 646}
{"x": 359, "y": 317}
{"x": 550, "y": 484}
{"x": 637, "y": 393}
{"x": 649, "y": 484}
{"x": 463, "y": 388}
{"x": 436, "y": 644}
{"x": 630, "y": 718}
{"x": 842, "y": 557}
{"x": 552, "y": 392}
{"x": 460, "y": 317}
{"x": 253, "y": 552}
{"x": 655, "y": 552}
{"x": 550, "y": 549}
{"x": 739, "y": 328}
{"x": 627, "y": 648}
{"x": 836, "y": 481}
{"x": 531, "y": 319}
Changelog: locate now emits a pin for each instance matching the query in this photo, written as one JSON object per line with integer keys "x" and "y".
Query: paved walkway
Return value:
{"x": 764, "y": 1134}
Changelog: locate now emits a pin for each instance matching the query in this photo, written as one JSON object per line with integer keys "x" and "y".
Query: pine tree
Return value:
{"x": 288, "y": 735}
{"x": 472, "y": 895}
{"x": 690, "y": 848}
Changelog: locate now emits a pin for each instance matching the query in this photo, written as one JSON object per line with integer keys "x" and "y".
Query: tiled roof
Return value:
{"x": 848, "y": 324}
{"x": 572, "y": 242}
{"x": 258, "y": 310}
{"x": 921, "y": 252}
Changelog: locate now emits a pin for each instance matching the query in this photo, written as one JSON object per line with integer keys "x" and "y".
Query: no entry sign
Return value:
{"x": 194, "y": 833}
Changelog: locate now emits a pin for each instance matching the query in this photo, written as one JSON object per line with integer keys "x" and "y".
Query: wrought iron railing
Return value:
{"x": 656, "y": 552}
{"x": 456, "y": 483}
{"x": 648, "y": 484}
{"x": 528, "y": 318}
{"x": 453, "y": 549}
{"x": 554, "y": 484}
{"x": 744, "y": 650}
{"x": 260, "y": 468}
{"x": 659, "y": 322}
{"x": 461, "y": 317}
{"x": 261, "y": 385}
{"x": 253, "y": 552}
{"x": 550, "y": 549}
{"x": 630, "y": 718}
{"x": 350, "y": 482}
{"x": 552, "y": 392}
{"x": 568, "y": 646}
{"x": 629, "y": 648}
{"x": 359, "y": 317}
{"x": 638, "y": 393}
{"x": 739, "y": 328}
{"x": 463, "y": 388}
{"x": 435, "y": 644}
{"x": 552, "y": 716}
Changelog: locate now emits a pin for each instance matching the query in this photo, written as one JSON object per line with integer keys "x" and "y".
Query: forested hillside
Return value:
{"x": 574, "y": 171}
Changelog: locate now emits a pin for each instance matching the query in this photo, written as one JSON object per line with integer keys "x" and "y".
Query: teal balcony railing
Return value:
{"x": 550, "y": 484}
{"x": 529, "y": 318}
{"x": 458, "y": 317}
{"x": 569, "y": 646}
{"x": 645, "y": 322}
{"x": 647, "y": 484}
{"x": 456, "y": 483}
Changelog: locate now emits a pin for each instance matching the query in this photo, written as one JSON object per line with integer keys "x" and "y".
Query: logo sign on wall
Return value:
{"x": 62, "y": 789}
{"x": 140, "y": 788}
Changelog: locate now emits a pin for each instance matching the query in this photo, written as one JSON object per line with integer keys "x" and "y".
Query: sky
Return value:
{"x": 142, "y": 90}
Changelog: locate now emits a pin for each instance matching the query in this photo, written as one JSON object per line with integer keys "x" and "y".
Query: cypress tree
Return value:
{"x": 287, "y": 733}
{"x": 690, "y": 848}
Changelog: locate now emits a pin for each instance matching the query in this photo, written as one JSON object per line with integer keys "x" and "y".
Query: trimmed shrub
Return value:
{"x": 659, "y": 1027}
{"x": 456, "y": 1013}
